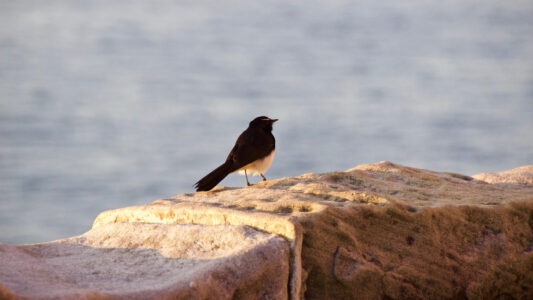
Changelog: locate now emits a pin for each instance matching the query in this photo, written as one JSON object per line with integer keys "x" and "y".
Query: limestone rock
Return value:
{"x": 375, "y": 231}
{"x": 147, "y": 261}
{"x": 521, "y": 175}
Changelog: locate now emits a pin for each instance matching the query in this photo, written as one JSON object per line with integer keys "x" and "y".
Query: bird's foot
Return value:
{"x": 264, "y": 179}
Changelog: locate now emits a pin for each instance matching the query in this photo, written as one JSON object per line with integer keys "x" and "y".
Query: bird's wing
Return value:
{"x": 248, "y": 149}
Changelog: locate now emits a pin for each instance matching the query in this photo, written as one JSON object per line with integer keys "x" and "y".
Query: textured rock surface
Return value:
{"x": 522, "y": 175}
{"x": 374, "y": 231}
{"x": 143, "y": 261}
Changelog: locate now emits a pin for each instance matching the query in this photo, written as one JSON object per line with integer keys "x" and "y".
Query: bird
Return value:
{"x": 253, "y": 152}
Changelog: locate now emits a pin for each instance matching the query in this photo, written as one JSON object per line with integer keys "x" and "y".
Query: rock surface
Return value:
{"x": 375, "y": 231}
{"x": 147, "y": 261}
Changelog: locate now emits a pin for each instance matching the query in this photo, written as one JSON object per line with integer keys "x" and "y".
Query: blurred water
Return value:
{"x": 105, "y": 104}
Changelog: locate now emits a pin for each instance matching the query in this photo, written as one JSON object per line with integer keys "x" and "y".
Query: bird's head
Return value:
{"x": 263, "y": 122}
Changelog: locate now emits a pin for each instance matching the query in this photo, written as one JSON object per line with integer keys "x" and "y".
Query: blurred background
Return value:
{"x": 106, "y": 104}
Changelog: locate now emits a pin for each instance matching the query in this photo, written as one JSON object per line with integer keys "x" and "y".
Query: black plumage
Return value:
{"x": 251, "y": 152}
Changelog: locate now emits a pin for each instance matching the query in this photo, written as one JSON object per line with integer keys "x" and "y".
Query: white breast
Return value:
{"x": 259, "y": 166}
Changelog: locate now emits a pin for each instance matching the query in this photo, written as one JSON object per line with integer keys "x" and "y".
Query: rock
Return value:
{"x": 375, "y": 231}
{"x": 143, "y": 261}
{"x": 521, "y": 175}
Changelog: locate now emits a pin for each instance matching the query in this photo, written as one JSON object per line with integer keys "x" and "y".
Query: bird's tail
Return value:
{"x": 210, "y": 180}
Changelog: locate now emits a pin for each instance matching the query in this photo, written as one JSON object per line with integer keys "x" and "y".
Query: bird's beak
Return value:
{"x": 273, "y": 120}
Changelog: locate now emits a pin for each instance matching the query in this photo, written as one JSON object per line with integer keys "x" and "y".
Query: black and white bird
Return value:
{"x": 253, "y": 152}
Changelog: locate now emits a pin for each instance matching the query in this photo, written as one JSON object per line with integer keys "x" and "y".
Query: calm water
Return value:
{"x": 108, "y": 104}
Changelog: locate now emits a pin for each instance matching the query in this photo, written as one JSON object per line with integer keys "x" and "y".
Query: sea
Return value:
{"x": 107, "y": 104}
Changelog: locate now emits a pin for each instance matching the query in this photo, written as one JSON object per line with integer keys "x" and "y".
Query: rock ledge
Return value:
{"x": 374, "y": 231}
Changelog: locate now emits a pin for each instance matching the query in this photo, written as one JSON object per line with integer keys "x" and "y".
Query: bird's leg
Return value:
{"x": 264, "y": 179}
{"x": 246, "y": 174}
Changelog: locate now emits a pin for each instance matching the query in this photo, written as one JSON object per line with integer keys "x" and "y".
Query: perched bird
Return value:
{"x": 253, "y": 152}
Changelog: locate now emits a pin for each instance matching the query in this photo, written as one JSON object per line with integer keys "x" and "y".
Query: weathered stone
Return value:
{"x": 375, "y": 231}
{"x": 146, "y": 261}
